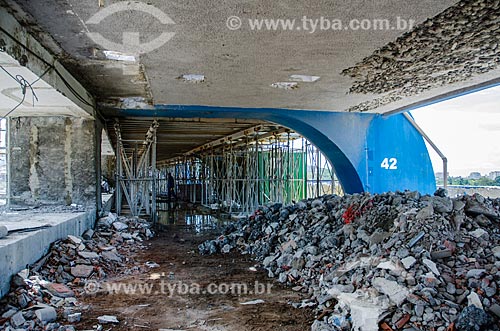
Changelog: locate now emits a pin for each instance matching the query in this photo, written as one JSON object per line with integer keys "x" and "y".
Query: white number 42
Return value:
{"x": 389, "y": 163}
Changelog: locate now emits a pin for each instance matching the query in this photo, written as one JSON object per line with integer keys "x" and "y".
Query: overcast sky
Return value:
{"x": 467, "y": 130}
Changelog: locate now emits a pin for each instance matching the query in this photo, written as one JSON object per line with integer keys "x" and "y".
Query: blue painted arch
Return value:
{"x": 356, "y": 144}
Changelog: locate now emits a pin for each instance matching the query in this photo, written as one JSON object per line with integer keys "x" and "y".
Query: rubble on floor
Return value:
{"x": 394, "y": 261}
{"x": 45, "y": 295}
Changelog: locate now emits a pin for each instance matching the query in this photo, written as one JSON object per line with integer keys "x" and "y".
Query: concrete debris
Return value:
{"x": 119, "y": 226}
{"x": 87, "y": 235}
{"x": 432, "y": 266}
{"x": 397, "y": 293}
{"x": 47, "y": 291}
{"x": 48, "y": 314}
{"x": 58, "y": 290}
{"x": 408, "y": 262}
{"x": 17, "y": 320}
{"x": 152, "y": 265}
{"x": 473, "y": 318}
{"x": 427, "y": 257}
{"x": 253, "y": 302}
{"x": 106, "y": 319}
{"x": 74, "y": 318}
{"x": 82, "y": 270}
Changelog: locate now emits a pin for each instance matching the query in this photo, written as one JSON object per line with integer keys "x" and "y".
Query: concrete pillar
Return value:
{"x": 53, "y": 161}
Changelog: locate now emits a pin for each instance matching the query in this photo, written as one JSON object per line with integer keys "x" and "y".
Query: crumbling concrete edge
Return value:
{"x": 29, "y": 247}
{"x": 43, "y": 53}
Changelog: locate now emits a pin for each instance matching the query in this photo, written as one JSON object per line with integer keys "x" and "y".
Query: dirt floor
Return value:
{"x": 192, "y": 292}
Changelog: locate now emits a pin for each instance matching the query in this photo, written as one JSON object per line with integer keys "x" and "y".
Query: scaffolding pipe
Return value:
{"x": 438, "y": 151}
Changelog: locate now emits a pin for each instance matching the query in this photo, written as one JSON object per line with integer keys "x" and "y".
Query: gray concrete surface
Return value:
{"x": 360, "y": 70}
{"x": 20, "y": 249}
{"x": 53, "y": 161}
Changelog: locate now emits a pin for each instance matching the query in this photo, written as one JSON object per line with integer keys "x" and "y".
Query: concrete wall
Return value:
{"x": 53, "y": 161}
{"x": 20, "y": 249}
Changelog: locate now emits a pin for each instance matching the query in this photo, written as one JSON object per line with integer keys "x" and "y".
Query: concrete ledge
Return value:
{"x": 20, "y": 249}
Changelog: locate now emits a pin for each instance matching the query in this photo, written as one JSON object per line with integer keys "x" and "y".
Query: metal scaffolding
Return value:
{"x": 251, "y": 168}
{"x": 135, "y": 172}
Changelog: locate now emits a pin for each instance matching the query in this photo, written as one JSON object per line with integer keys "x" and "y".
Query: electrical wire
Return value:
{"x": 63, "y": 79}
{"x": 24, "y": 85}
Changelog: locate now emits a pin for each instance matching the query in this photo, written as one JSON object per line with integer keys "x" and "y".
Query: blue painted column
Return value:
{"x": 369, "y": 152}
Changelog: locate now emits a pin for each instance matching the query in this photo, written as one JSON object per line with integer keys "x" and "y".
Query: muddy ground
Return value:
{"x": 192, "y": 292}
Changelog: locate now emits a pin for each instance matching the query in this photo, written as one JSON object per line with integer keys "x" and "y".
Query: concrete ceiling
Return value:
{"x": 451, "y": 49}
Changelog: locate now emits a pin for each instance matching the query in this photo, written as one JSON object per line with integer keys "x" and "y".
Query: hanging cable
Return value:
{"x": 50, "y": 66}
{"x": 24, "y": 85}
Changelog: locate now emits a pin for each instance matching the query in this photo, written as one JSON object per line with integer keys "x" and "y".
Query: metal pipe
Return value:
{"x": 438, "y": 151}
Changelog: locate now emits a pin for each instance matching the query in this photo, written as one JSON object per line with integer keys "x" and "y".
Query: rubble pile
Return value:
{"x": 44, "y": 296}
{"x": 394, "y": 261}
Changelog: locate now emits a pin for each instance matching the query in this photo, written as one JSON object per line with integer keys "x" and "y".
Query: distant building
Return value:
{"x": 474, "y": 175}
{"x": 494, "y": 174}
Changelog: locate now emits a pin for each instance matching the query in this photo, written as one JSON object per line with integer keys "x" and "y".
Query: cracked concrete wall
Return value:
{"x": 53, "y": 161}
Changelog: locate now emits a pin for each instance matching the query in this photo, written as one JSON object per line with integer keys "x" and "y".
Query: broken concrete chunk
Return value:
{"x": 473, "y": 318}
{"x": 75, "y": 240}
{"x": 151, "y": 264}
{"x": 74, "y": 318}
{"x": 17, "y": 319}
{"x": 474, "y": 300}
{"x": 475, "y": 208}
{"x": 46, "y": 315}
{"x": 458, "y": 205}
{"x": 388, "y": 265}
{"x": 107, "y": 319}
{"x": 9, "y": 313}
{"x": 425, "y": 213}
{"x": 442, "y": 204}
{"x": 475, "y": 273}
{"x": 408, "y": 262}
{"x": 58, "y": 290}
{"x": 119, "y": 226}
{"x": 392, "y": 289}
{"x": 111, "y": 256}
{"x": 496, "y": 251}
{"x": 478, "y": 233}
{"x": 89, "y": 255}
{"x": 432, "y": 266}
{"x": 82, "y": 270}
{"x": 365, "y": 312}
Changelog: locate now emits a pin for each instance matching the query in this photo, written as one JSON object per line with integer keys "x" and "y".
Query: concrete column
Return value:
{"x": 53, "y": 161}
